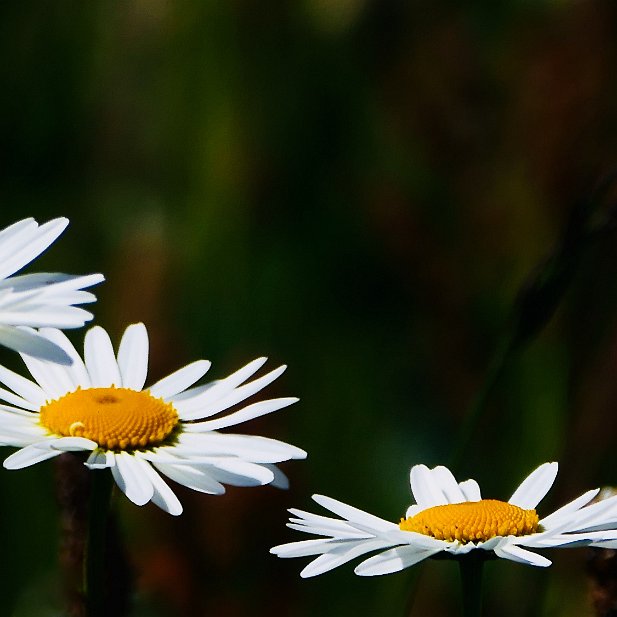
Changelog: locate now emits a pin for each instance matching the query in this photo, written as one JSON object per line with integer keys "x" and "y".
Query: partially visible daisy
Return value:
{"x": 451, "y": 518}
{"x": 99, "y": 405}
{"x": 38, "y": 300}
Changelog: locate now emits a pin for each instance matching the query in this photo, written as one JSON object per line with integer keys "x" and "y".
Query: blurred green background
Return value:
{"x": 354, "y": 188}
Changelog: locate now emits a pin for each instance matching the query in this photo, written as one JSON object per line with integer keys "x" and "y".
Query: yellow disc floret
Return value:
{"x": 115, "y": 418}
{"x": 473, "y": 521}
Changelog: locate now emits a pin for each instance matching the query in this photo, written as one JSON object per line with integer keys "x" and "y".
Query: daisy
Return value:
{"x": 451, "y": 518}
{"x": 99, "y": 405}
{"x": 38, "y": 300}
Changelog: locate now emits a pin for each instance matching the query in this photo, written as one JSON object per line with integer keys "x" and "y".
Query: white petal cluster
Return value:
{"x": 38, "y": 300}
{"x": 200, "y": 457}
{"x": 357, "y": 533}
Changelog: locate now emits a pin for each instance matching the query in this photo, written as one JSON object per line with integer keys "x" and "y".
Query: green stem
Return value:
{"x": 94, "y": 556}
{"x": 471, "y": 578}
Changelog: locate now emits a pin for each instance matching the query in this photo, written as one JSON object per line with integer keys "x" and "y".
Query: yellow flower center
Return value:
{"x": 473, "y": 521}
{"x": 116, "y": 418}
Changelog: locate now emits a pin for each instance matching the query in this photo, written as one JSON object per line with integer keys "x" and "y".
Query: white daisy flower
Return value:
{"x": 38, "y": 300}
{"x": 99, "y": 405}
{"x": 452, "y": 518}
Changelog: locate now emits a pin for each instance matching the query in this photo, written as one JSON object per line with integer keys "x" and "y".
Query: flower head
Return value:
{"x": 452, "y": 518}
{"x": 99, "y": 405}
{"x": 38, "y": 300}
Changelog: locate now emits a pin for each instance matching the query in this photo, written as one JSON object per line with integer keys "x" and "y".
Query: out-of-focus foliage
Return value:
{"x": 356, "y": 189}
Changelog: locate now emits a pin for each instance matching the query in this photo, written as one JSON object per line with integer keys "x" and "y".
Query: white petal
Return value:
{"x": 12, "y": 414}
{"x": 30, "y": 455}
{"x": 192, "y": 393}
{"x": 566, "y": 511}
{"x": 29, "y": 242}
{"x": 534, "y": 487}
{"x": 458, "y": 549}
{"x": 304, "y": 548}
{"x": 248, "y": 447}
{"x": 55, "y": 287}
{"x": 520, "y": 555}
{"x": 54, "y": 312}
{"x": 54, "y": 378}
{"x": 602, "y": 514}
{"x": 131, "y": 478}
{"x": 18, "y": 439}
{"x": 133, "y": 356}
{"x": 99, "y": 459}
{"x": 73, "y": 444}
{"x": 76, "y": 372}
{"x": 240, "y": 473}
{"x": 180, "y": 380}
{"x": 12, "y": 418}
{"x": 489, "y": 545}
{"x": 607, "y": 544}
{"x": 353, "y": 515}
{"x": 280, "y": 480}
{"x": 22, "y": 386}
{"x": 222, "y": 387}
{"x": 9, "y": 236}
{"x": 163, "y": 496}
{"x": 191, "y": 477}
{"x": 100, "y": 359}
{"x": 397, "y": 536}
{"x": 338, "y": 555}
{"x": 243, "y": 415}
{"x": 31, "y": 343}
{"x": 413, "y": 510}
{"x": 569, "y": 540}
{"x": 13, "y": 399}
{"x": 448, "y": 484}
{"x": 194, "y": 409}
{"x": 471, "y": 490}
{"x": 327, "y": 530}
{"x": 394, "y": 560}
{"x": 323, "y": 525}
{"x": 424, "y": 489}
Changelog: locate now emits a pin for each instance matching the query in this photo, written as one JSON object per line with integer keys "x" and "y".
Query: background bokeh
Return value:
{"x": 354, "y": 188}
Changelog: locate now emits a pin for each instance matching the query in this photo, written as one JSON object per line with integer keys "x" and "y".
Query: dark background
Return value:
{"x": 355, "y": 188}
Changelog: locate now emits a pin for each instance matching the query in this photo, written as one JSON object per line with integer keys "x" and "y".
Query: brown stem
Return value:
{"x": 74, "y": 483}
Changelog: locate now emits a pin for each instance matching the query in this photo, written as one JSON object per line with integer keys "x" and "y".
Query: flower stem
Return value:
{"x": 471, "y": 578}
{"x": 94, "y": 557}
